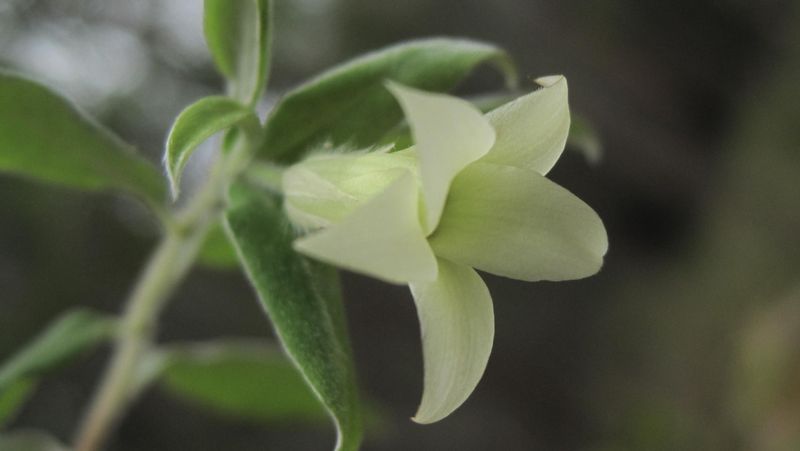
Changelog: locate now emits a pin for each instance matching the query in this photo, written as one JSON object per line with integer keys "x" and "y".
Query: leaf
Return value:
{"x": 349, "y": 104}
{"x": 217, "y": 252}
{"x": 303, "y": 301}
{"x": 239, "y": 36}
{"x": 69, "y": 335}
{"x": 45, "y": 137}
{"x": 29, "y": 440}
{"x": 584, "y": 138}
{"x": 196, "y": 123}
{"x": 12, "y": 399}
{"x": 245, "y": 379}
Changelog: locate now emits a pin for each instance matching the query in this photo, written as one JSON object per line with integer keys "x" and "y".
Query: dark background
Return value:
{"x": 687, "y": 339}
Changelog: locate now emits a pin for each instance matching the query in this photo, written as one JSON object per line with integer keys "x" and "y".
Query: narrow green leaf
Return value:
{"x": 196, "y": 123}
{"x": 349, "y": 104}
{"x": 244, "y": 379}
{"x": 239, "y": 36}
{"x": 584, "y": 138}
{"x": 303, "y": 301}
{"x": 44, "y": 136}
{"x": 66, "y": 337}
{"x": 217, "y": 251}
{"x": 12, "y": 399}
{"x": 29, "y": 440}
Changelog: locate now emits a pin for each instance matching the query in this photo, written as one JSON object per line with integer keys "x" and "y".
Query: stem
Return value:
{"x": 168, "y": 265}
{"x": 156, "y": 283}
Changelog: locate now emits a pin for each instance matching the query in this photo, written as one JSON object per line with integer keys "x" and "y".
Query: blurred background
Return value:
{"x": 689, "y": 338}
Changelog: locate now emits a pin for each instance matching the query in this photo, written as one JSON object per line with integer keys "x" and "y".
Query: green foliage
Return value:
{"x": 243, "y": 379}
{"x": 217, "y": 251}
{"x": 72, "y": 333}
{"x": 45, "y": 137}
{"x": 13, "y": 397}
{"x": 584, "y": 138}
{"x": 239, "y": 36}
{"x": 198, "y": 122}
{"x": 303, "y": 300}
{"x": 350, "y": 105}
{"x": 29, "y": 441}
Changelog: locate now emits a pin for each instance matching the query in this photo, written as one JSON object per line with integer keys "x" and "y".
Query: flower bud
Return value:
{"x": 325, "y": 188}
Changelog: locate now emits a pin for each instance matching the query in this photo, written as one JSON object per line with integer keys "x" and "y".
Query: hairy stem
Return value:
{"x": 166, "y": 268}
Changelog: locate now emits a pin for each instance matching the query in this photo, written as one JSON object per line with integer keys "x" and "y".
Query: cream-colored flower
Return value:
{"x": 470, "y": 194}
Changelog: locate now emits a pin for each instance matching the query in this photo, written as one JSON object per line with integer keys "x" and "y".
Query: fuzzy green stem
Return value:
{"x": 168, "y": 265}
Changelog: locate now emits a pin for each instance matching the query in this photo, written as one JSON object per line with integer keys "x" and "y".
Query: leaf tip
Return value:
{"x": 174, "y": 179}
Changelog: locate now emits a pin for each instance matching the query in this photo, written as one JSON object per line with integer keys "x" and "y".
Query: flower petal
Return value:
{"x": 323, "y": 189}
{"x": 516, "y": 223}
{"x": 532, "y": 130}
{"x": 449, "y": 134}
{"x": 383, "y": 238}
{"x": 457, "y": 322}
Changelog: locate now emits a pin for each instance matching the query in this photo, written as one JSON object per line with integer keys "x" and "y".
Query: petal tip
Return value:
{"x": 419, "y": 419}
{"x": 550, "y": 80}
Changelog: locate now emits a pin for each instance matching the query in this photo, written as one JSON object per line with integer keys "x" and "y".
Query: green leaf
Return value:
{"x": 45, "y": 137}
{"x": 12, "y": 398}
{"x": 29, "y": 440}
{"x": 196, "y": 123}
{"x": 217, "y": 252}
{"x": 584, "y": 138}
{"x": 239, "y": 36}
{"x": 69, "y": 335}
{"x": 303, "y": 301}
{"x": 349, "y": 104}
{"x": 243, "y": 379}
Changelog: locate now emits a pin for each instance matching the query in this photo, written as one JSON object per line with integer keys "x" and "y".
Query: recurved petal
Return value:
{"x": 383, "y": 238}
{"x": 532, "y": 130}
{"x": 516, "y": 223}
{"x": 457, "y": 322}
{"x": 449, "y": 134}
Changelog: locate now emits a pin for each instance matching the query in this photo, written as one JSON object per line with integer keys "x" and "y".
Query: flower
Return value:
{"x": 470, "y": 194}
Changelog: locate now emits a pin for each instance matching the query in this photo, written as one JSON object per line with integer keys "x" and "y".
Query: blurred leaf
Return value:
{"x": 70, "y": 334}
{"x": 350, "y": 105}
{"x": 764, "y": 392}
{"x": 217, "y": 251}
{"x": 13, "y": 397}
{"x": 250, "y": 380}
{"x": 29, "y": 440}
{"x": 45, "y": 137}
{"x": 303, "y": 301}
{"x": 239, "y": 36}
{"x": 584, "y": 138}
{"x": 196, "y": 123}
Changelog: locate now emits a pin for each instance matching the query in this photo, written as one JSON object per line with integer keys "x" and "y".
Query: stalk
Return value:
{"x": 167, "y": 267}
